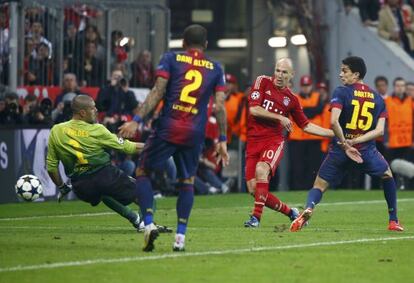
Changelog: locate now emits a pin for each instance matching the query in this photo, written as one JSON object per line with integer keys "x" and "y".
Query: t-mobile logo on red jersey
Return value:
{"x": 267, "y": 104}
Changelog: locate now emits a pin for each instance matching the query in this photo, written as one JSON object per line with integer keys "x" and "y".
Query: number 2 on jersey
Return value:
{"x": 79, "y": 154}
{"x": 197, "y": 78}
{"x": 356, "y": 122}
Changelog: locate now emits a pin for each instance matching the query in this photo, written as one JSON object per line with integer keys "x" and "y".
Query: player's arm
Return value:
{"x": 110, "y": 140}
{"x": 314, "y": 129}
{"x": 371, "y": 135}
{"x": 222, "y": 123}
{"x": 154, "y": 97}
{"x": 350, "y": 151}
{"x": 335, "y": 126}
{"x": 260, "y": 112}
{"x": 52, "y": 163}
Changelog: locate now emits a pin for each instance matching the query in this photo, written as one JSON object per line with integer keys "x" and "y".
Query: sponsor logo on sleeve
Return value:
{"x": 120, "y": 140}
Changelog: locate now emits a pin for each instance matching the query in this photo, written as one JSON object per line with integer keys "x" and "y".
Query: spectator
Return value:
{"x": 142, "y": 70}
{"x": 4, "y": 46}
{"x": 400, "y": 125}
{"x": 36, "y": 32}
{"x": 70, "y": 89}
{"x": 381, "y": 86}
{"x": 368, "y": 11}
{"x": 71, "y": 42}
{"x": 236, "y": 107}
{"x": 40, "y": 71}
{"x": 116, "y": 100}
{"x": 13, "y": 112}
{"x": 92, "y": 35}
{"x": 322, "y": 88}
{"x": 396, "y": 23}
{"x": 410, "y": 89}
{"x": 400, "y": 121}
{"x": 305, "y": 149}
{"x": 91, "y": 70}
{"x": 35, "y": 113}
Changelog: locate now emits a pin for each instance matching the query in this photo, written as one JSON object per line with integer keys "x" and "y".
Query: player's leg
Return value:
{"x": 376, "y": 165}
{"x": 186, "y": 160}
{"x": 123, "y": 210}
{"x": 330, "y": 173}
{"x": 154, "y": 156}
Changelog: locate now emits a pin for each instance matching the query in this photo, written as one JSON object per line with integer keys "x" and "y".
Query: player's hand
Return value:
{"x": 286, "y": 123}
{"x": 63, "y": 191}
{"x": 128, "y": 129}
{"x": 351, "y": 152}
{"x": 223, "y": 155}
{"x": 354, "y": 154}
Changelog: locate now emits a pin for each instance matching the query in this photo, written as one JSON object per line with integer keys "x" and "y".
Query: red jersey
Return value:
{"x": 281, "y": 101}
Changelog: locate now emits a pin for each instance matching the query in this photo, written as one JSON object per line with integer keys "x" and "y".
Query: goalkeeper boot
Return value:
{"x": 150, "y": 235}
{"x": 178, "y": 245}
{"x": 253, "y": 222}
{"x": 301, "y": 221}
{"x": 395, "y": 226}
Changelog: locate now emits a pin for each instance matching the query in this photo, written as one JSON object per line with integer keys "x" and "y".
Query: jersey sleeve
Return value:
{"x": 383, "y": 113}
{"x": 221, "y": 81}
{"x": 52, "y": 161}
{"x": 338, "y": 98}
{"x": 164, "y": 67}
{"x": 256, "y": 94}
{"x": 298, "y": 115}
{"x": 110, "y": 140}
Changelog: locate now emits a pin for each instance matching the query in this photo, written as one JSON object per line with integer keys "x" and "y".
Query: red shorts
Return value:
{"x": 269, "y": 152}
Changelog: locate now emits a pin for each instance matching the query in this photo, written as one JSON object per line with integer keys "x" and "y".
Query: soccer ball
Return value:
{"x": 28, "y": 187}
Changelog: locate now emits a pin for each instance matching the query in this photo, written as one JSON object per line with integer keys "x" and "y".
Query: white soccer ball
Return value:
{"x": 28, "y": 187}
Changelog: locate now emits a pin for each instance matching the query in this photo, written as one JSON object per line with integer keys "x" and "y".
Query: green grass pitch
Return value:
{"x": 346, "y": 241}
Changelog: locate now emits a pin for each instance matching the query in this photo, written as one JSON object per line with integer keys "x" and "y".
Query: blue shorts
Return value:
{"x": 157, "y": 151}
{"x": 335, "y": 165}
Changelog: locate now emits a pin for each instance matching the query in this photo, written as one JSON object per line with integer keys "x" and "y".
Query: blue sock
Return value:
{"x": 390, "y": 193}
{"x": 184, "y": 204}
{"x": 314, "y": 197}
{"x": 145, "y": 198}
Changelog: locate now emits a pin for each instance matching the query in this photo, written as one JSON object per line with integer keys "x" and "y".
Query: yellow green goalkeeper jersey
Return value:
{"x": 81, "y": 147}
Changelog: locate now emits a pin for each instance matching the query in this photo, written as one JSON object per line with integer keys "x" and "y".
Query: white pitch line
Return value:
{"x": 193, "y": 254}
{"x": 236, "y": 207}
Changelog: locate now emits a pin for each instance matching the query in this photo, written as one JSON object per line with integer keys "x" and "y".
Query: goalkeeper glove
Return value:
{"x": 64, "y": 189}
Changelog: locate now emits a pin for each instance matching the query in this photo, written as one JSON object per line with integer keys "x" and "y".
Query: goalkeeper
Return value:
{"x": 80, "y": 145}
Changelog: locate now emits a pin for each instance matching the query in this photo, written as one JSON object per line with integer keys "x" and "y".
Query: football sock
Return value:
{"x": 184, "y": 205}
{"x": 260, "y": 197}
{"x": 275, "y": 203}
{"x": 390, "y": 193}
{"x": 119, "y": 208}
{"x": 145, "y": 198}
{"x": 314, "y": 197}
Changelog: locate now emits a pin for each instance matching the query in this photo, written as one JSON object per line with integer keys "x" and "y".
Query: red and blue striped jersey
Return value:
{"x": 361, "y": 109}
{"x": 192, "y": 79}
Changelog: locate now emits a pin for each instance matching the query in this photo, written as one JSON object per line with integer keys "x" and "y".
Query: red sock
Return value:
{"x": 274, "y": 203}
{"x": 260, "y": 196}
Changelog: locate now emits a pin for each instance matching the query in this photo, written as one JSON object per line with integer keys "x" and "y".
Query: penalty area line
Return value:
{"x": 194, "y": 254}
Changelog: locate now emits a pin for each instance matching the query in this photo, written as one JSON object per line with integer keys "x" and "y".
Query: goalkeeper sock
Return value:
{"x": 275, "y": 203}
{"x": 121, "y": 209}
{"x": 184, "y": 205}
{"x": 390, "y": 194}
{"x": 260, "y": 198}
{"x": 314, "y": 197}
{"x": 145, "y": 198}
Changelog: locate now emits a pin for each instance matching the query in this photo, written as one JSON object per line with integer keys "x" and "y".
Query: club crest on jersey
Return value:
{"x": 286, "y": 101}
{"x": 255, "y": 95}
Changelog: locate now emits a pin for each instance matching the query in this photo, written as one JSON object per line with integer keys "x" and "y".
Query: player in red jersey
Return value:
{"x": 270, "y": 104}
